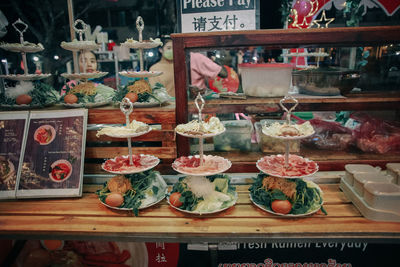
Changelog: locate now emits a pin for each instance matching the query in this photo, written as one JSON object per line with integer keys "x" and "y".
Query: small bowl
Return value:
{"x": 393, "y": 169}
{"x": 384, "y": 196}
{"x": 352, "y": 169}
{"x": 360, "y": 179}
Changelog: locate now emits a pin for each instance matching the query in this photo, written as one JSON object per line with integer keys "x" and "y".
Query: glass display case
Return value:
{"x": 343, "y": 78}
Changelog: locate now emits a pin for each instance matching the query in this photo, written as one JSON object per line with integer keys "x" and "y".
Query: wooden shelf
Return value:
{"x": 86, "y": 218}
{"x": 254, "y": 105}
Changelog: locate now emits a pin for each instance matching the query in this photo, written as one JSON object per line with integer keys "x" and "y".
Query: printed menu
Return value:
{"x": 12, "y": 132}
{"x": 51, "y": 152}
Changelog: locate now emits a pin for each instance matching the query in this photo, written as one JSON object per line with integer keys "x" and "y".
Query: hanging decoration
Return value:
{"x": 323, "y": 21}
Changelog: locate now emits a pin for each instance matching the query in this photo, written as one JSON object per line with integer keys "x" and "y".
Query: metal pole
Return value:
{"x": 72, "y": 32}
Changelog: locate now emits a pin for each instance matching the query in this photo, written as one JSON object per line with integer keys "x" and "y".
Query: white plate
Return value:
{"x": 87, "y": 105}
{"x": 17, "y": 47}
{"x": 87, "y": 75}
{"x": 141, "y": 45}
{"x": 206, "y": 212}
{"x": 80, "y": 45}
{"x": 229, "y": 164}
{"x": 264, "y": 208}
{"x": 201, "y": 135}
{"x": 141, "y": 206}
{"x": 27, "y": 77}
{"x": 133, "y": 171}
{"x": 129, "y": 135}
{"x": 24, "y": 106}
{"x": 281, "y": 176}
{"x": 140, "y": 74}
{"x": 148, "y": 104}
{"x": 288, "y": 137}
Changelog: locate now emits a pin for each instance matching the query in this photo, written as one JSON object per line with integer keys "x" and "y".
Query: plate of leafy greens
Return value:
{"x": 286, "y": 197}
{"x": 203, "y": 194}
{"x": 133, "y": 192}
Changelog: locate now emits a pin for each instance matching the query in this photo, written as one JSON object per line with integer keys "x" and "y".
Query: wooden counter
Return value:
{"x": 86, "y": 218}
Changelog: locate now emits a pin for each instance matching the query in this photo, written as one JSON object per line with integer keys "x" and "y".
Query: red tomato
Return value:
{"x": 281, "y": 206}
{"x": 174, "y": 199}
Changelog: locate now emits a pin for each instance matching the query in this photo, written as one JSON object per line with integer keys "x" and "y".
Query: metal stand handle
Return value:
{"x": 200, "y": 107}
{"x": 140, "y": 27}
{"x": 288, "y": 99}
{"x": 126, "y": 107}
{"x": 21, "y": 40}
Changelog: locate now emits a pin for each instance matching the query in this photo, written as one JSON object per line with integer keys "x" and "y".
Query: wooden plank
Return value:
{"x": 154, "y": 135}
{"x": 111, "y": 152}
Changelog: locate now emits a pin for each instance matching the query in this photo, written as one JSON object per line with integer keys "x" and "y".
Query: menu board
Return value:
{"x": 12, "y": 132}
{"x": 53, "y": 150}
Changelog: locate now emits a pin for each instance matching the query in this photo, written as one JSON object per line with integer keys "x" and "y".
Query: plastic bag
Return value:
{"x": 376, "y": 135}
{"x": 329, "y": 135}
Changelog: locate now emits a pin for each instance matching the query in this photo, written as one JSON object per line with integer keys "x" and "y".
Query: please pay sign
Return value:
{"x": 190, "y": 6}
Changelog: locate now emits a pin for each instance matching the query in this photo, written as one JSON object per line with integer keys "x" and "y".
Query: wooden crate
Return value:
{"x": 159, "y": 142}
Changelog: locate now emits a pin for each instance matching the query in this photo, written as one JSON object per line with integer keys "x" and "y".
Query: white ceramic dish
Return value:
{"x": 141, "y": 45}
{"x": 140, "y": 74}
{"x": 195, "y": 172}
{"x": 207, "y": 212}
{"x": 87, "y": 105}
{"x": 361, "y": 179}
{"x": 201, "y": 135}
{"x": 80, "y": 45}
{"x": 19, "y": 48}
{"x": 54, "y": 164}
{"x": 87, "y": 75}
{"x": 264, "y": 208}
{"x": 136, "y": 170}
{"x": 267, "y": 171}
{"x": 136, "y": 134}
{"x": 27, "y": 77}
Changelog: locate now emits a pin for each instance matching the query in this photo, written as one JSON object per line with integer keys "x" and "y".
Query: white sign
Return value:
{"x": 218, "y": 15}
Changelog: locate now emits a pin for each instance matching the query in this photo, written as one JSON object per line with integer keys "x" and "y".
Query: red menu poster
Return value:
{"x": 54, "y": 154}
{"x": 12, "y": 132}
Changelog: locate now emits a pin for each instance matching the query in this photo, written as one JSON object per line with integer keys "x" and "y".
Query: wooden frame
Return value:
{"x": 283, "y": 38}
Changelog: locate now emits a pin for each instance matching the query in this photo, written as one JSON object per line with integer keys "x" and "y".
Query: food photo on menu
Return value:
{"x": 11, "y": 134}
{"x": 53, "y": 154}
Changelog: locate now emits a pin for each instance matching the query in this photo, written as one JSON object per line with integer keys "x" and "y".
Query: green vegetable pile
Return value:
{"x": 142, "y": 97}
{"x": 191, "y": 202}
{"x": 103, "y": 94}
{"x": 307, "y": 198}
{"x": 42, "y": 95}
{"x": 142, "y": 184}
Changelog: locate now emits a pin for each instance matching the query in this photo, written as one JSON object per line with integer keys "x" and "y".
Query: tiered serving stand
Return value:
{"x": 200, "y": 99}
{"x": 141, "y": 45}
{"x": 126, "y": 107}
{"x": 81, "y": 46}
{"x": 287, "y": 156}
{"x": 23, "y": 48}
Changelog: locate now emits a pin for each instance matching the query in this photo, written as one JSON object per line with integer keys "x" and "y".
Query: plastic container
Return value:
{"x": 266, "y": 80}
{"x": 360, "y": 179}
{"x": 393, "y": 169}
{"x": 385, "y": 196}
{"x": 237, "y": 136}
{"x": 270, "y": 144}
{"x": 352, "y": 169}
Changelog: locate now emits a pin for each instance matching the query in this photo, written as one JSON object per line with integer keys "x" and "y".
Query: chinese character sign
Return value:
{"x": 218, "y": 15}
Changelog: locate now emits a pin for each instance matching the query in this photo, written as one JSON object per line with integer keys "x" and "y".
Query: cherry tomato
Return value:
{"x": 70, "y": 99}
{"x": 174, "y": 199}
{"x": 133, "y": 97}
{"x": 281, "y": 206}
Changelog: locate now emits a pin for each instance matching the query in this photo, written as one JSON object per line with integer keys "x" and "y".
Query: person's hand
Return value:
{"x": 223, "y": 73}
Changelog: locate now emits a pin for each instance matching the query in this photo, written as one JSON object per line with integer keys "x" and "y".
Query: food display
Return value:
{"x": 28, "y": 92}
{"x": 294, "y": 131}
{"x": 133, "y": 191}
{"x": 83, "y": 93}
{"x": 61, "y": 170}
{"x": 202, "y": 195}
{"x": 192, "y": 165}
{"x": 147, "y": 96}
{"x": 135, "y": 128}
{"x": 211, "y": 127}
{"x": 7, "y": 170}
{"x": 286, "y": 197}
{"x": 121, "y": 164}
{"x": 297, "y": 166}
{"x": 87, "y": 94}
{"x": 45, "y": 134}
{"x": 279, "y": 188}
